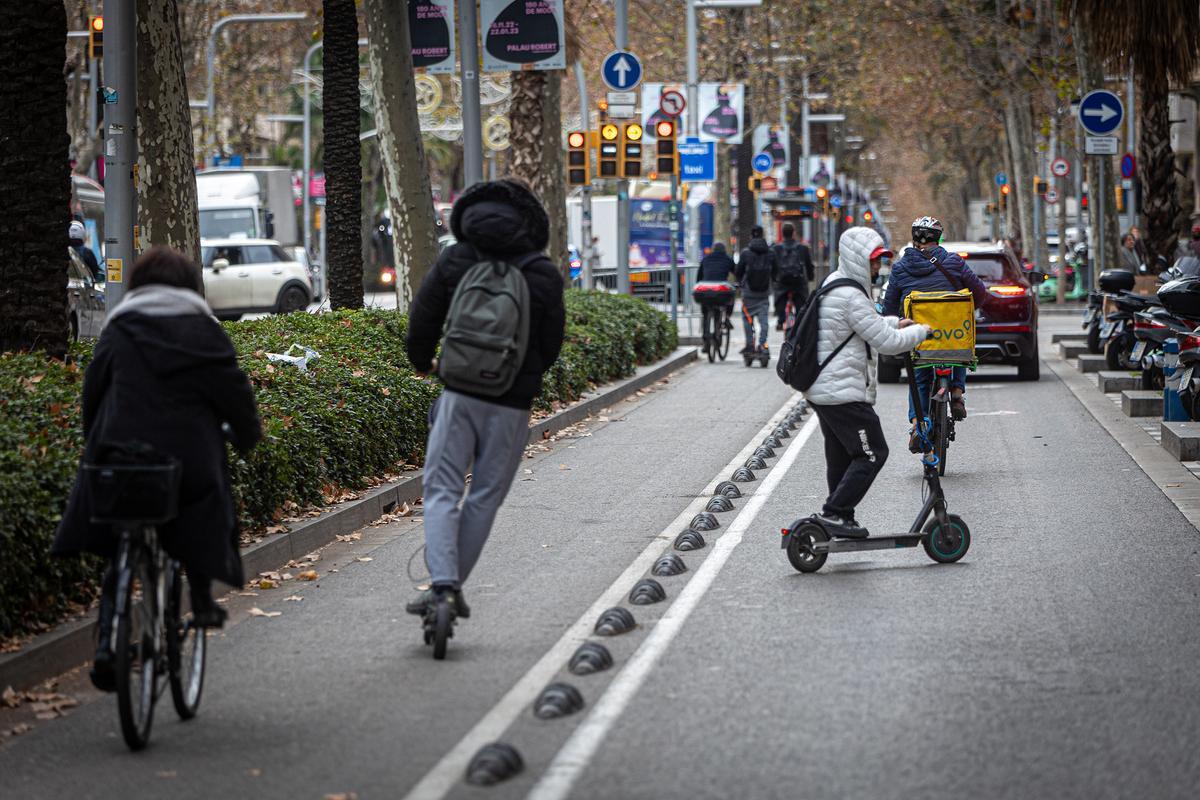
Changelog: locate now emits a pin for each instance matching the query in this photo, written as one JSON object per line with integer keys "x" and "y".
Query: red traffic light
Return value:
{"x": 849, "y": 220}
{"x": 576, "y": 139}
{"x": 97, "y": 23}
{"x": 1005, "y": 189}
{"x": 665, "y": 129}
{"x": 821, "y": 193}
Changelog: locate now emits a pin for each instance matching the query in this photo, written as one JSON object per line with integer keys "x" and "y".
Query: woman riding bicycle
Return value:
{"x": 928, "y": 267}
{"x": 164, "y": 374}
{"x": 716, "y": 267}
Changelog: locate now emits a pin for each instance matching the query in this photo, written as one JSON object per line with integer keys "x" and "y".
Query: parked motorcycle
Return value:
{"x": 1093, "y": 318}
{"x": 1155, "y": 324}
{"x": 1116, "y": 335}
{"x": 1181, "y": 297}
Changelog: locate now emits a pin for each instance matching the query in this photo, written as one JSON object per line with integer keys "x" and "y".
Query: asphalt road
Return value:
{"x": 1056, "y": 660}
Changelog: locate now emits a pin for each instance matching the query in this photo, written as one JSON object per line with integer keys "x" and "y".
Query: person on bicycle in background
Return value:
{"x": 929, "y": 267}
{"x": 164, "y": 373}
{"x": 849, "y": 333}
{"x": 757, "y": 270}
{"x": 795, "y": 273}
{"x": 716, "y": 267}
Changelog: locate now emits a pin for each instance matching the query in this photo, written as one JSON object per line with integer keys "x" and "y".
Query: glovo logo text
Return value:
{"x": 957, "y": 334}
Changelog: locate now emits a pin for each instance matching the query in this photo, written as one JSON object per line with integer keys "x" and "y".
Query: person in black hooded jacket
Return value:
{"x": 165, "y": 374}
{"x": 480, "y": 434}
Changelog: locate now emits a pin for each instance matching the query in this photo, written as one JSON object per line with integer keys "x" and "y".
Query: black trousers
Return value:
{"x": 799, "y": 297}
{"x": 855, "y": 451}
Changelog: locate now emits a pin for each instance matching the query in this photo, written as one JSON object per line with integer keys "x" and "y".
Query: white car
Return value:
{"x": 246, "y": 276}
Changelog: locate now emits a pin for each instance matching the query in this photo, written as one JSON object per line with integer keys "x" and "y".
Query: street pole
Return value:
{"x": 120, "y": 147}
{"x": 210, "y": 59}
{"x": 621, "y": 8}
{"x": 1130, "y": 145}
{"x": 468, "y": 70}
{"x": 804, "y": 154}
{"x": 587, "y": 251}
{"x": 692, "y": 250}
{"x": 93, "y": 99}
{"x": 673, "y": 229}
{"x": 1099, "y": 198}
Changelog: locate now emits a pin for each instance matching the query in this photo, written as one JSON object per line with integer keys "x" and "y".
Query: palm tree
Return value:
{"x": 34, "y": 178}
{"x": 343, "y": 155}
{"x": 1162, "y": 39}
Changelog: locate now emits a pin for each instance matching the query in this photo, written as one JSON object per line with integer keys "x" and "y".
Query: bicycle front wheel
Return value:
{"x": 136, "y": 661}
{"x": 186, "y": 651}
{"x": 941, "y": 427}
{"x": 723, "y": 335}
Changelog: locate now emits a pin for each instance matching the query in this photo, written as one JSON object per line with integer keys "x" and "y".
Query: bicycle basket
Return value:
{"x": 714, "y": 293}
{"x": 951, "y": 320}
{"x": 140, "y": 489}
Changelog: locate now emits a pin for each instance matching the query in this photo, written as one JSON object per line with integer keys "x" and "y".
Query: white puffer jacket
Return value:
{"x": 850, "y": 377}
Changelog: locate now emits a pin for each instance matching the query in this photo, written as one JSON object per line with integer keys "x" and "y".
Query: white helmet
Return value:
{"x": 76, "y": 232}
{"x": 926, "y": 230}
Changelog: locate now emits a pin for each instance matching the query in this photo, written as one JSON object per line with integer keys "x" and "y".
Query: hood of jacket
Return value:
{"x": 501, "y": 218}
{"x": 172, "y": 331}
{"x": 916, "y": 263}
{"x": 759, "y": 246}
{"x": 854, "y": 255}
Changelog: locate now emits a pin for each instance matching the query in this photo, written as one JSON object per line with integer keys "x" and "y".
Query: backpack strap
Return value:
{"x": 835, "y": 284}
{"x": 942, "y": 270}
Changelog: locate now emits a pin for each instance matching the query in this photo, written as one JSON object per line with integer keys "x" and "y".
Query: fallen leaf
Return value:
{"x": 254, "y": 772}
{"x": 274, "y": 529}
{"x": 258, "y": 612}
{"x": 9, "y": 697}
{"x": 342, "y": 795}
{"x": 563, "y": 466}
{"x": 349, "y": 537}
{"x": 294, "y": 598}
{"x": 308, "y": 575}
{"x": 17, "y": 730}
{"x": 364, "y": 559}
{"x": 358, "y": 373}
{"x": 247, "y": 594}
{"x": 528, "y": 472}
{"x": 166, "y": 773}
{"x": 287, "y": 576}
{"x": 267, "y": 583}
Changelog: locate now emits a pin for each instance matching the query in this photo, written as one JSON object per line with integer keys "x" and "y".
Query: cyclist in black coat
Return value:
{"x": 165, "y": 373}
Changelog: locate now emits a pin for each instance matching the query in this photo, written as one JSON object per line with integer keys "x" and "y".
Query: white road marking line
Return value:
{"x": 448, "y": 772}
{"x": 994, "y": 413}
{"x": 577, "y": 752}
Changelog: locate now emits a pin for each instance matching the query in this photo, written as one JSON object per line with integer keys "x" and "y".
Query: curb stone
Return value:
{"x": 70, "y": 644}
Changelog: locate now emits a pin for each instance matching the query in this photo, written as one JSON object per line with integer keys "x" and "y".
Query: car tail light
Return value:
{"x": 1008, "y": 290}
{"x": 387, "y": 275}
{"x": 1004, "y": 327}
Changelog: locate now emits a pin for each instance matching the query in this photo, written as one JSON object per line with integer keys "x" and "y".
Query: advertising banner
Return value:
{"x": 431, "y": 28}
{"x": 772, "y": 140}
{"x": 819, "y": 172}
{"x": 650, "y": 233}
{"x": 522, "y": 34}
{"x": 720, "y": 112}
{"x": 651, "y": 113}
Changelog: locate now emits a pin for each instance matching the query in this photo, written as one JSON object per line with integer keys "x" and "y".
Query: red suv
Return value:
{"x": 1006, "y": 330}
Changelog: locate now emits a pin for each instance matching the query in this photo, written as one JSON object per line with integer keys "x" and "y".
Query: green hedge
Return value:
{"x": 357, "y": 413}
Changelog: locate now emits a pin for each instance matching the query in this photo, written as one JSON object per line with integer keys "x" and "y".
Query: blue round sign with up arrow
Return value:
{"x": 1101, "y": 112}
{"x": 621, "y": 71}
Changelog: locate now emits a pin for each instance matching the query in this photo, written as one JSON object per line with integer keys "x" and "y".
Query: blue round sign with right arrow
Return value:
{"x": 1101, "y": 112}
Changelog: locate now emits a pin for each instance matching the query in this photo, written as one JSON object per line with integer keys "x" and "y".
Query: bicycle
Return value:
{"x": 716, "y": 304}
{"x": 152, "y": 636}
{"x": 941, "y": 421}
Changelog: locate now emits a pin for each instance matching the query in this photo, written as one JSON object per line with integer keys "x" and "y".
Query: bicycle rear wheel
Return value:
{"x": 941, "y": 425}
{"x": 186, "y": 651}
{"x": 710, "y": 342}
{"x": 723, "y": 334}
{"x": 136, "y": 662}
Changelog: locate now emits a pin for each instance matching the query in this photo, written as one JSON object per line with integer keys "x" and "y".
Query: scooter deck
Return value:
{"x": 870, "y": 543}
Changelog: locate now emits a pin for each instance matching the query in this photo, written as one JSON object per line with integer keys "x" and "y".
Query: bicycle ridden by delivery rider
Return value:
{"x": 850, "y": 331}
{"x": 929, "y": 267}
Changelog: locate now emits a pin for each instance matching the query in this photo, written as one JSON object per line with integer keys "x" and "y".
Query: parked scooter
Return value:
{"x": 1181, "y": 297}
{"x": 1152, "y": 327}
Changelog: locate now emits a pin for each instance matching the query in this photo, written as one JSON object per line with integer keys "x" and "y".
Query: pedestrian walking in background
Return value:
{"x": 1129, "y": 256}
{"x": 795, "y": 272}
{"x": 165, "y": 374}
{"x": 476, "y": 431}
{"x": 757, "y": 270}
{"x": 851, "y": 332}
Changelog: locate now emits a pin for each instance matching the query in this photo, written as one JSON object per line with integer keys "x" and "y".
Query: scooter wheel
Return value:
{"x": 947, "y": 544}
{"x": 443, "y": 623}
{"x": 764, "y": 360}
{"x": 799, "y": 549}
{"x": 749, "y": 360}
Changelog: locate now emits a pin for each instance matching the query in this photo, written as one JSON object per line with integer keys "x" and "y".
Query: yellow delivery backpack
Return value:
{"x": 951, "y": 320}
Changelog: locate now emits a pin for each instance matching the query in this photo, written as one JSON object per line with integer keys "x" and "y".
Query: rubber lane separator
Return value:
{"x": 448, "y": 772}
{"x": 577, "y": 752}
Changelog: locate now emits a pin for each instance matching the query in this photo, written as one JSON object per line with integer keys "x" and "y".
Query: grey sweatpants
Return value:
{"x": 756, "y": 307}
{"x": 465, "y": 430}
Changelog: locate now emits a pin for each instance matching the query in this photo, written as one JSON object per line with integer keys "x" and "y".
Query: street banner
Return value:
{"x": 522, "y": 34}
{"x": 650, "y": 233}
{"x": 820, "y": 171}
{"x": 772, "y": 140}
{"x": 720, "y": 112}
{"x": 431, "y": 28}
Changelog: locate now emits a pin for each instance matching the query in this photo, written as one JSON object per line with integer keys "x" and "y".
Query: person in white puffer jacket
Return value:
{"x": 843, "y": 394}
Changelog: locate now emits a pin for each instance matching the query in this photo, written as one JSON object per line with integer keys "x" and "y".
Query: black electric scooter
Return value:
{"x": 945, "y": 536}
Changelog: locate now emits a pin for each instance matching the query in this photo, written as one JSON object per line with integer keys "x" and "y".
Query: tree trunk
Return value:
{"x": 410, "y": 197}
{"x": 723, "y": 208}
{"x": 34, "y": 178}
{"x": 343, "y": 155}
{"x": 1019, "y": 125}
{"x": 166, "y": 183}
{"x": 746, "y": 198}
{"x": 535, "y": 112}
{"x": 1160, "y": 202}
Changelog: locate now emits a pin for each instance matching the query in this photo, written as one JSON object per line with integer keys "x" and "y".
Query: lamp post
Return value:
{"x": 210, "y": 58}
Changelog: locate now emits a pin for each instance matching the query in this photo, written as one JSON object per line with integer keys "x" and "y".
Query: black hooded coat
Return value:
{"x": 501, "y": 219}
{"x": 168, "y": 381}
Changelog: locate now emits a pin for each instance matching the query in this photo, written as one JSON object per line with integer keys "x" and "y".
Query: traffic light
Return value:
{"x": 609, "y": 151}
{"x": 1040, "y": 185}
{"x": 579, "y": 172}
{"x": 1119, "y": 193}
{"x": 602, "y": 108}
{"x": 868, "y": 216}
{"x": 631, "y": 150}
{"x": 1004, "y": 190}
{"x": 95, "y": 36}
{"x": 666, "y": 153}
{"x": 754, "y": 184}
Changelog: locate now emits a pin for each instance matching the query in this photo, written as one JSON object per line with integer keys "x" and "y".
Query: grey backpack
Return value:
{"x": 487, "y": 329}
